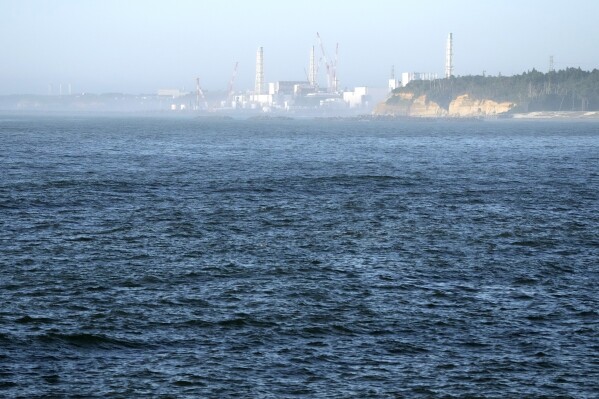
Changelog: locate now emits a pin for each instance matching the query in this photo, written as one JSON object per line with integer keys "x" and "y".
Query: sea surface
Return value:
{"x": 187, "y": 258}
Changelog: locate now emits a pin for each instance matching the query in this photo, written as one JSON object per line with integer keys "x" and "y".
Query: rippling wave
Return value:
{"x": 184, "y": 258}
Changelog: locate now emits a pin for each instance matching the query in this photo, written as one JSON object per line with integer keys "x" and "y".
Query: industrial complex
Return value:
{"x": 298, "y": 96}
{"x": 293, "y": 97}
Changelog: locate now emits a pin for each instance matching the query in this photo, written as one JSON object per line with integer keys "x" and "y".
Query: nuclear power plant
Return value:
{"x": 302, "y": 96}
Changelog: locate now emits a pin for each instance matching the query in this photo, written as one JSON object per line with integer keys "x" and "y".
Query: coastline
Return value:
{"x": 557, "y": 115}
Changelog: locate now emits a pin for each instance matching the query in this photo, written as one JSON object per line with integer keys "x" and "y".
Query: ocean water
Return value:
{"x": 149, "y": 257}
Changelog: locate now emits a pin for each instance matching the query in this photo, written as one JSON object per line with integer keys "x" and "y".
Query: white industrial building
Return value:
{"x": 173, "y": 93}
{"x": 364, "y": 97}
{"x": 407, "y": 77}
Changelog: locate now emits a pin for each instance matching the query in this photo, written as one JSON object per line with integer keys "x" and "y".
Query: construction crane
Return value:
{"x": 324, "y": 57}
{"x": 200, "y": 95}
{"x": 232, "y": 81}
{"x": 313, "y": 74}
{"x": 335, "y": 81}
{"x": 331, "y": 68}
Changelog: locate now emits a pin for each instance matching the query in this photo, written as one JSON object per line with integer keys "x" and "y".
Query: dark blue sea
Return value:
{"x": 188, "y": 258}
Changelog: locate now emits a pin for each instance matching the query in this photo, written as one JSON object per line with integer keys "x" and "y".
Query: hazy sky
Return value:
{"x": 139, "y": 46}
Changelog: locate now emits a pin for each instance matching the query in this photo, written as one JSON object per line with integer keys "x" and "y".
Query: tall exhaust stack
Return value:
{"x": 258, "y": 89}
{"x": 449, "y": 57}
{"x": 312, "y": 74}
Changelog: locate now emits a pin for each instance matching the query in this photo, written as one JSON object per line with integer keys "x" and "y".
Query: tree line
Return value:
{"x": 570, "y": 89}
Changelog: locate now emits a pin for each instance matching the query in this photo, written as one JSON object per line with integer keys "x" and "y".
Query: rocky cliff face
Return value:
{"x": 464, "y": 106}
{"x": 406, "y": 104}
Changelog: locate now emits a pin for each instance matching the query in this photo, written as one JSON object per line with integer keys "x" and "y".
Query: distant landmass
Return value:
{"x": 568, "y": 90}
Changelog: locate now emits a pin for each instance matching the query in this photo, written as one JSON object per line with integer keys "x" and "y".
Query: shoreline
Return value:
{"x": 558, "y": 115}
{"x": 592, "y": 116}
{"x": 536, "y": 115}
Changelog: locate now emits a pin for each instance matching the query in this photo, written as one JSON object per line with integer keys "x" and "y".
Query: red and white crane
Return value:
{"x": 331, "y": 67}
{"x": 200, "y": 95}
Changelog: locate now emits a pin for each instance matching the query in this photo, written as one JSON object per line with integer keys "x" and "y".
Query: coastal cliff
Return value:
{"x": 463, "y": 106}
{"x": 569, "y": 90}
{"x": 406, "y": 104}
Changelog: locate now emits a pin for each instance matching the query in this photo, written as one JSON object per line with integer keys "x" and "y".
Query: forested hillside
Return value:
{"x": 571, "y": 89}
